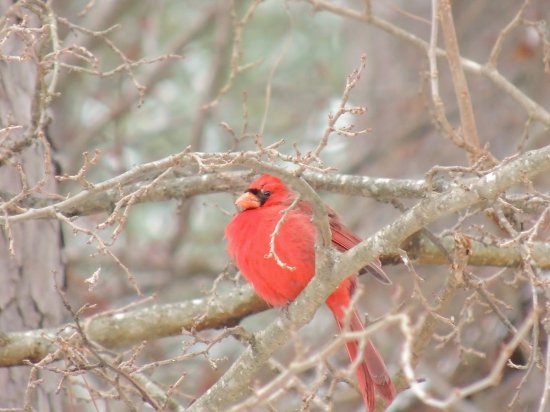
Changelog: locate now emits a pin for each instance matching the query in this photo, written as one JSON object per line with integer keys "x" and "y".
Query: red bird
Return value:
{"x": 249, "y": 234}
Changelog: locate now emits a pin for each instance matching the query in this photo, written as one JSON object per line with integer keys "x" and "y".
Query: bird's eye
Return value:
{"x": 263, "y": 195}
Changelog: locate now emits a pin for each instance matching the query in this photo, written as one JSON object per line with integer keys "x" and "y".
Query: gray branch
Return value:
{"x": 122, "y": 329}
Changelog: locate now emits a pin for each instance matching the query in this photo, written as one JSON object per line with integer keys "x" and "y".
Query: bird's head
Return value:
{"x": 264, "y": 191}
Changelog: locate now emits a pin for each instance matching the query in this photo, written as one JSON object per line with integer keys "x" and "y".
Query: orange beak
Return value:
{"x": 248, "y": 201}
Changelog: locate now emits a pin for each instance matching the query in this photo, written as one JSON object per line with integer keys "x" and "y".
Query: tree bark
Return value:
{"x": 27, "y": 296}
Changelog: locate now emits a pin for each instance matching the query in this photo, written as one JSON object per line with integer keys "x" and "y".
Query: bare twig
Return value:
{"x": 342, "y": 109}
{"x": 272, "y": 252}
{"x": 497, "y": 47}
{"x": 460, "y": 393}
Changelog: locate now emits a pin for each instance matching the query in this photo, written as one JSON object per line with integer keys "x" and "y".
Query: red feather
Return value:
{"x": 249, "y": 234}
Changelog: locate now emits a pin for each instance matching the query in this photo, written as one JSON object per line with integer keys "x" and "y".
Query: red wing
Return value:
{"x": 344, "y": 239}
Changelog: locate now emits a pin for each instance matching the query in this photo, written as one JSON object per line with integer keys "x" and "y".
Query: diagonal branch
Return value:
{"x": 236, "y": 380}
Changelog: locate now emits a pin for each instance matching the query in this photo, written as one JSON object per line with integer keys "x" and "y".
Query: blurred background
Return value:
{"x": 296, "y": 60}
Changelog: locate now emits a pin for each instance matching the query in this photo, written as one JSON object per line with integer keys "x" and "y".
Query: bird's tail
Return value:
{"x": 371, "y": 371}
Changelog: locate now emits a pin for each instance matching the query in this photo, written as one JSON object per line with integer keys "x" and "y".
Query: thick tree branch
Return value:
{"x": 103, "y": 196}
{"x": 117, "y": 330}
{"x": 422, "y": 250}
{"x": 93, "y": 201}
{"x": 157, "y": 321}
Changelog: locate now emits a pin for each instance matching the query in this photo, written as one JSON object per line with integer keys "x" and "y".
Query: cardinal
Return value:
{"x": 280, "y": 272}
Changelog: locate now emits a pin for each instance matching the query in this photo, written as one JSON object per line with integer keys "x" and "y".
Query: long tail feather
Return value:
{"x": 371, "y": 372}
